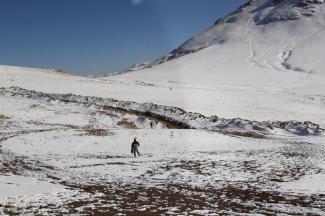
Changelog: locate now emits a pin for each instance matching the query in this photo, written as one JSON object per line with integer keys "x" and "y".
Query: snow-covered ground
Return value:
{"x": 229, "y": 101}
{"x": 64, "y": 153}
{"x": 230, "y": 122}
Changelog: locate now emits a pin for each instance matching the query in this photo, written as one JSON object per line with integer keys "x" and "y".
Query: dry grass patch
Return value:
{"x": 3, "y": 118}
{"x": 176, "y": 199}
{"x": 250, "y": 134}
{"x": 97, "y": 132}
{"x": 126, "y": 123}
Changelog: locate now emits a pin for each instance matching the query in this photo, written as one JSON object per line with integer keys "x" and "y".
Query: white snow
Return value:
{"x": 312, "y": 184}
{"x": 20, "y": 186}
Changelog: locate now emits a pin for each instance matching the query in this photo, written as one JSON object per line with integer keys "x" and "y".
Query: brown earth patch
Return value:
{"x": 250, "y": 134}
{"x": 97, "y": 132}
{"x": 3, "y": 118}
{"x": 126, "y": 123}
{"x": 180, "y": 199}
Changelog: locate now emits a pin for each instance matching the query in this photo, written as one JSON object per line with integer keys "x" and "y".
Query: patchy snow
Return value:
{"x": 46, "y": 143}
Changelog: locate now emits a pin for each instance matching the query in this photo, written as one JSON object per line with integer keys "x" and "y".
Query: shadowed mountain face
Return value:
{"x": 284, "y": 10}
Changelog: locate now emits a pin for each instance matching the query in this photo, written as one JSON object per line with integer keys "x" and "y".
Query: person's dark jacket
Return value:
{"x": 135, "y": 146}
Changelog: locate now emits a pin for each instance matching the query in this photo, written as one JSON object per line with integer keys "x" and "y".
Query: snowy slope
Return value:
{"x": 228, "y": 101}
{"x": 263, "y": 43}
{"x": 53, "y": 161}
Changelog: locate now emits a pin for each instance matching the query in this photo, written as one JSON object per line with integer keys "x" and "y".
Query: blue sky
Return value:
{"x": 100, "y": 36}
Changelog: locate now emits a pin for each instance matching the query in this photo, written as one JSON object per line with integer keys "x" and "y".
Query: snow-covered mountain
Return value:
{"x": 138, "y": 66}
{"x": 257, "y": 15}
{"x": 264, "y": 42}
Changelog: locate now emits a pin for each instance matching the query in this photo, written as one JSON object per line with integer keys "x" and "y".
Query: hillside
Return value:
{"x": 263, "y": 43}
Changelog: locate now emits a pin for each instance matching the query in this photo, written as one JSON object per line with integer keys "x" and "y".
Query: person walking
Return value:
{"x": 135, "y": 147}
